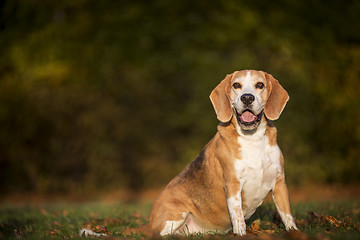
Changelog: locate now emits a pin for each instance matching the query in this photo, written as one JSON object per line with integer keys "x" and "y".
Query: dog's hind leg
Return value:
{"x": 173, "y": 226}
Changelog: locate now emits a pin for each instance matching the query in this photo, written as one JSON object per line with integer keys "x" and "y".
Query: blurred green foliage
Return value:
{"x": 113, "y": 94}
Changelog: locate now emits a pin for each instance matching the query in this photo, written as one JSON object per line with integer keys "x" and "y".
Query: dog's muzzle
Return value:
{"x": 248, "y": 120}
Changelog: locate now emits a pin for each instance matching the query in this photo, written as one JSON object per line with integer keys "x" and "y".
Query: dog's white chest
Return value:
{"x": 257, "y": 171}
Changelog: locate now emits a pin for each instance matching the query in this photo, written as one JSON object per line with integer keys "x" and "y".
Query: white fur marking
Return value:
{"x": 248, "y": 74}
{"x": 257, "y": 169}
{"x": 171, "y": 226}
{"x": 186, "y": 226}
{"x": 236, "y": 214}
{"x": 288, "y": 221}
{"x": 247, "y": 83}
{"x": 191, "y": 226}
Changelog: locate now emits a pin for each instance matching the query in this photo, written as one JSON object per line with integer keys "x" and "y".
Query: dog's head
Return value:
{"x": 248, "y": 95}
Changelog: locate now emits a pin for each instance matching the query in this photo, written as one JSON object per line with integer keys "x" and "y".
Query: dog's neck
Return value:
{"x": 257, "y": 133}
{"x": 233, "y": 127}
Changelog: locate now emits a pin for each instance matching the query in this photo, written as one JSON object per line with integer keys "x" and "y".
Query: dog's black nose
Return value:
{"x": 247, "y": 98}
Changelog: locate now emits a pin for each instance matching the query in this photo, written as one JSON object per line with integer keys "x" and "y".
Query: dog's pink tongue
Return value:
{"x": 248, "y": 117}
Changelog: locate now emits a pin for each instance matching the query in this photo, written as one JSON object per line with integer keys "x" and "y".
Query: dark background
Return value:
{"x": 114, "y": 94}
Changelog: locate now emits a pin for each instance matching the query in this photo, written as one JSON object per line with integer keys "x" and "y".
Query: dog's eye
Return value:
{"x": 237, "y": 85}
{"x": 259, "y": 85}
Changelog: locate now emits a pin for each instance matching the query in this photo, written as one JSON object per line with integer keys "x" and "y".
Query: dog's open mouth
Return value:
{"x": 248, "y": 120}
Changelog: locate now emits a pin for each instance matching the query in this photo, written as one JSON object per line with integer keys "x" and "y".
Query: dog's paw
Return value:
{"x": 239, "y": 227}
{"x": 291, "y": 227}
{"x": 288, "y": 221}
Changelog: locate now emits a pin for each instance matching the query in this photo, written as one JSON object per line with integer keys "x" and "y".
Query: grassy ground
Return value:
{"x": 331, "y": 220}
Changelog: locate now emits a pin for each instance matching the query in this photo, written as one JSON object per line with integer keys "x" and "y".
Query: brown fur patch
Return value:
{"x": 271, "y": 133}
{"x": 243, "y": 200}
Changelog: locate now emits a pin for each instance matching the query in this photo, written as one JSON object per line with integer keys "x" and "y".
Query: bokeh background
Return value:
{"x": 104, "y": 95}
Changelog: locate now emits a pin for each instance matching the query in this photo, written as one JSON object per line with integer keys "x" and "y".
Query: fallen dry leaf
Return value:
{"x": 87, "y": 225}
{"x": 43, "y": 212}
{"x": 54, "y": 231}
{"x": 65, "y": 213}
{"x": 100, "y": 229}
{"x": 332, "y": 220}
{"x": 269, "y": 231}
{"x": 137, "y": 215}
{"x": 269, "y": 225}
{"x": 255, "y": 225}
{"x": 325, "y": 218}
{"x": 93, "y": 214}
{"x": 356, "y": 211}
{"x": 56, "y": 223}
{"x": 314, "y": 215}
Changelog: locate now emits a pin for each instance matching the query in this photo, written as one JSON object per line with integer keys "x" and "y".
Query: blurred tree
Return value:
{"x": 106, "y": 94}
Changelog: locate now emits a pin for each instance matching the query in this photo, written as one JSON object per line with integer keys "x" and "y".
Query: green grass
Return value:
{"x": 338, "y": 220}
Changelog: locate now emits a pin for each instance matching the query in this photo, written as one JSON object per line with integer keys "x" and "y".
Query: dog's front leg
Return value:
{"x": 281, "y": 199}
{"x": 234, "y": 204}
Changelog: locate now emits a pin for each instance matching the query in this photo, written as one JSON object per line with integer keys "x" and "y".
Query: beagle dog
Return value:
{"x": 236, "y": 170}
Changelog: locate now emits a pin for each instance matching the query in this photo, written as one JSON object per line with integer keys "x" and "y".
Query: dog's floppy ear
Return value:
{"x": 277, "y": 99}
{"x": 220, "y": 99}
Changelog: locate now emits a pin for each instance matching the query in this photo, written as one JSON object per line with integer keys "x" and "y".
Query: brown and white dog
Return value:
{"x": 236, "y": 170}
